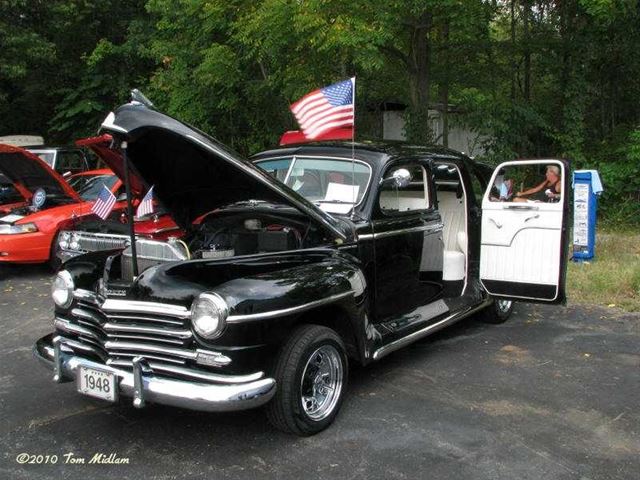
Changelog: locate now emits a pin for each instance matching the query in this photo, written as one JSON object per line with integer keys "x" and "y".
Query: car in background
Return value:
{"x": 30, "y": 233}
{"x": 64, "y": 160}
{"x": 29, "y": 226}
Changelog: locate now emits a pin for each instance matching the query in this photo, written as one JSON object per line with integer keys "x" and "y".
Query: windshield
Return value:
{"x": 47, "y": 157}
{"x": 334, "y": 185}
{"x": 90, "y": 186}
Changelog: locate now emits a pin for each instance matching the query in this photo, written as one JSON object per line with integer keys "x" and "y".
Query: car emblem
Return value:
{"x": 39, "y": 197}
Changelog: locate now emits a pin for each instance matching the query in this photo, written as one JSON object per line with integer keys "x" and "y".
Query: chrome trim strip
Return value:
{"x": 177, "y": 361}
{"x": 422, "y": 228}
{"x": 288, "y": 311}
{"x": 118, "y": 327}
{"x": 124, "y": 306}
{"x": 86, "y": 315}
{"x": 412, "y": 337}
{"x": 67, "y": 326}
{"x": 82, "y": 294}
{"x": 128, "y": 318}
{"x": 72, "y": 344}
{"x": 114, "y": 347}
{"x": 197, "y": 374}
{"x": 128, "y": 337}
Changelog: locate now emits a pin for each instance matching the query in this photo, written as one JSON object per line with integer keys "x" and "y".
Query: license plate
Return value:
{"x": 97, "y": 383}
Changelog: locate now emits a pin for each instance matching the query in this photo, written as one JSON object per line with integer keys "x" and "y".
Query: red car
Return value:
{"x": 28, "y": 228}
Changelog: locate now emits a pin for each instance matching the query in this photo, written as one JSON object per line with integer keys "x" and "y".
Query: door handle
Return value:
{"x": 498, "y": 224}
{"x": 532, "y": 218}
{"x": 521, "y": 207}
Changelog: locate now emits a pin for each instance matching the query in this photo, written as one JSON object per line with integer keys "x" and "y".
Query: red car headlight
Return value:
{"x": 17, "y": 229}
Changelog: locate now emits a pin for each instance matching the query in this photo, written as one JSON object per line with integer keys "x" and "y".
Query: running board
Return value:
{"x": 412, "y": 337}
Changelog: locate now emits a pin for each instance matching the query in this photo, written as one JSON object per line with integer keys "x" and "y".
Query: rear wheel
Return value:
{"x": 498, "y": 312}
{"x": 311, "y": 376}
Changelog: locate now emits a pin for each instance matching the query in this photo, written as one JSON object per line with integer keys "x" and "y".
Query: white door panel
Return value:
{"x": 505, "y": 263}
{"x": 521, "y": 253}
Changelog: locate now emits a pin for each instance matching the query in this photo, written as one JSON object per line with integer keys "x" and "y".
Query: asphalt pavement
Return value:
{"x": 552, "y": 394}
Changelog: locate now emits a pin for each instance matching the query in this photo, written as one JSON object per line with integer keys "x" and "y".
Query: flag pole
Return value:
{"x": 353, "y": 146}
{"x": 127, "y": 186}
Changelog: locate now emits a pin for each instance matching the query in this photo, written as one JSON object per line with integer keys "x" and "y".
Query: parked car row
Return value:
{"x": 42, "y": 205}
{"x": 290, "y": 266}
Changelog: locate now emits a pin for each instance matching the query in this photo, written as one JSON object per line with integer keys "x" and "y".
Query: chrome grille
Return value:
{"x": 117, "y": 335}
{"x": 151, "y": 253}
{"x": 92, "y": 242}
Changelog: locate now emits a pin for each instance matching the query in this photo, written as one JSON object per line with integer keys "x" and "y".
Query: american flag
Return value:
{"x": 104, "y": 203}
{"x": 325, "y": 109}
{"x": 146, "y": 205}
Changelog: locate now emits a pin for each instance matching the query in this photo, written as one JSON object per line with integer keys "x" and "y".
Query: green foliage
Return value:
{"x": 530, "y": 79}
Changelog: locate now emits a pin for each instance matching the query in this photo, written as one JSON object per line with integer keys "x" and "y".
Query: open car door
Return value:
{"x": 523, "y": 252}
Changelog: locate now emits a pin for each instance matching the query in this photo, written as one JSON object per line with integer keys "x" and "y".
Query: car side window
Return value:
{"x": 414, "y": 195}
{"x": 70, "y": 161}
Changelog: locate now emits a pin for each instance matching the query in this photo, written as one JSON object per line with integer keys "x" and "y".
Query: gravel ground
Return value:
{"x": 552, "y": 394}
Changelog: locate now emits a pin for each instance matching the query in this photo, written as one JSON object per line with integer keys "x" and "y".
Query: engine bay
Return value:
{"x": 223, "y": 235}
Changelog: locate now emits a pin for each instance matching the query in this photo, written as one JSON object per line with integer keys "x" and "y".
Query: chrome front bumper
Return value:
{"x": 228, "y": 393}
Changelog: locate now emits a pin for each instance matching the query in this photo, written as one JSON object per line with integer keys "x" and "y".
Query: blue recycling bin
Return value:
{"x": 586, "y": 189}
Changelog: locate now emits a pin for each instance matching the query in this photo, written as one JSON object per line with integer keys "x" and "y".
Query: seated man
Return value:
{"x": 553, "y": 185}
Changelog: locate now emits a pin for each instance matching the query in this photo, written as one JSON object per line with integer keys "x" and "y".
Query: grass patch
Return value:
{"x": 613, "y": 277}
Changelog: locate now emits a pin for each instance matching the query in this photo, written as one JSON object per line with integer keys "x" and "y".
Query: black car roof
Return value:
{"x": 374, "y": 152}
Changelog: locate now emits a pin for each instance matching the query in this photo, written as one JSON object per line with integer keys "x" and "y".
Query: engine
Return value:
{"x": 228, "y": 237}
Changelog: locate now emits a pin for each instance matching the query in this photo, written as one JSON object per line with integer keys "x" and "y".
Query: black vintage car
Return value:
{"x": 293, "y": 265}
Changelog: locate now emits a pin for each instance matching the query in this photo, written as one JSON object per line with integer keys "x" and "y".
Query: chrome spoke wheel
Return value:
{"x": 321, "y": 382}
{"x": 504, "y": 305}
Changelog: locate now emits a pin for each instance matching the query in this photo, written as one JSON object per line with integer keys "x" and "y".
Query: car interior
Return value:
{"x": 452, "y": 203}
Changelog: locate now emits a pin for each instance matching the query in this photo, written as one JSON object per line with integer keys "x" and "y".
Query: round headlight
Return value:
{"x": 62, "y": 289}
{"x": 208, "y": 315}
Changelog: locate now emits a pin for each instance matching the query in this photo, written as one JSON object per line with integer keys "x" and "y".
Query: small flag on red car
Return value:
{"x": 146, "y": 205}
{"x": 104, "y": 203}
{"x": 326, "y": 109}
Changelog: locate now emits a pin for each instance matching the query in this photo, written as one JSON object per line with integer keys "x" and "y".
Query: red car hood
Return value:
{"x": 102, "y": 147}
{"x": 28, "y": 173}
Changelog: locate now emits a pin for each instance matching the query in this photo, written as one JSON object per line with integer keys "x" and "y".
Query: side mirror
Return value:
{"x": 399, "y": 179}
{"x": 121, "y": 198}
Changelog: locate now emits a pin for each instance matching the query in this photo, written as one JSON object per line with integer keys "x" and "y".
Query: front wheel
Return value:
{"x": 311, "y": 376}
{"x": 498, "y": 312}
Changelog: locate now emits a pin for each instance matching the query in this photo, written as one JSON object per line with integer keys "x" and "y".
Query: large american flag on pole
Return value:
{"x": 146, "y": 205}
{"x": 104, "y": 203}
{"x": 326, "y": 108}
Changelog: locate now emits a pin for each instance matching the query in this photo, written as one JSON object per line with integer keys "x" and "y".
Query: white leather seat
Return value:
{"x": 452, "y": 211}
{"x": 453, "y": 265}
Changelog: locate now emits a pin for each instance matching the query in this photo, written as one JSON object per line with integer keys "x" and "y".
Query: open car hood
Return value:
{"x": 28, "y": 172}
{"x": 192, "y": 173}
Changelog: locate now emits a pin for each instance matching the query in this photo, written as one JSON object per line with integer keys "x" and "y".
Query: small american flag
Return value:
{"x": 104, "y": 203}
{"x": 146, "y": 205}
{"x": 326, "y": 109}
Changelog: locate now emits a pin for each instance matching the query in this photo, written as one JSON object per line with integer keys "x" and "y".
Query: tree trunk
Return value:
{"x": 444, "y": 86}
{"x": 514, "y": 64}
{"x": 526, "y": 38}
{"x": 417, "y": 127}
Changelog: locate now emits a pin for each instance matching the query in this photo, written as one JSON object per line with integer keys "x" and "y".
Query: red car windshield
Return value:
{"x": 90, "y": 186}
